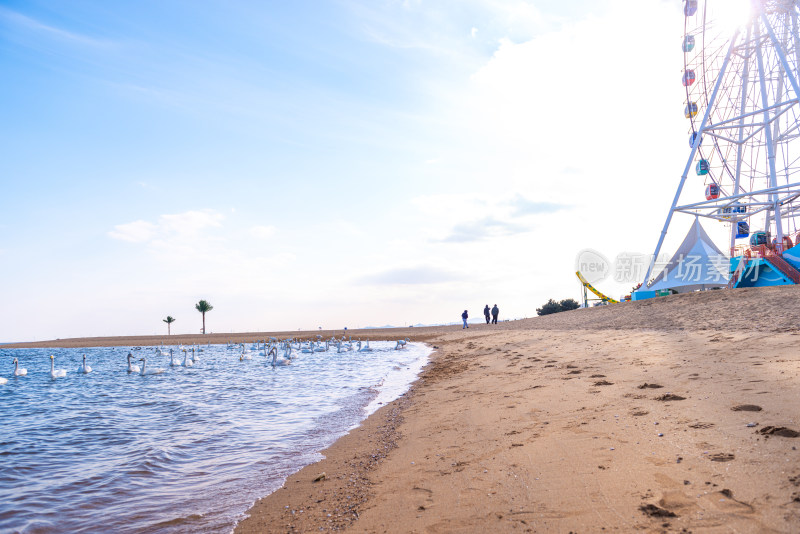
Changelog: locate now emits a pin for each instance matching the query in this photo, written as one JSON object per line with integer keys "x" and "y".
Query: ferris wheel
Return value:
{"x": 741, "y": 60}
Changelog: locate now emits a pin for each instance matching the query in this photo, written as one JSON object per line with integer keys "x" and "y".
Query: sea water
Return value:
{"x": 188, "y": 450}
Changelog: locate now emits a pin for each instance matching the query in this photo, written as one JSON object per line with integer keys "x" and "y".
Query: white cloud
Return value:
{"x": 176, "y": 236}
{"x": 47, "y": 31}
{"x": 411, "y": 276}
{"x": 485, "y": 228}
{"x": 134, "y": 232}
{"x": 190, "y": 222}
{"x": 262, "y": 232}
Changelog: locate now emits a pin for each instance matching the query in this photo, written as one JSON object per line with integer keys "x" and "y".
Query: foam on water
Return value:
{"x": 188, "y": 450}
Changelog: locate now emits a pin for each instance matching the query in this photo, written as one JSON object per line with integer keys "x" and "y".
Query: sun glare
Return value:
{"x": 730, "y": 15}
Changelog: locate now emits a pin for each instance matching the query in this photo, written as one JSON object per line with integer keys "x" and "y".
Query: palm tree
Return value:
{"x": 203, "y": 306}
{"x": 169, "y": 320}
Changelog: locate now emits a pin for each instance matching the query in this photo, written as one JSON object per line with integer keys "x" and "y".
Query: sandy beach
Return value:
{"x": 677, "y": 414}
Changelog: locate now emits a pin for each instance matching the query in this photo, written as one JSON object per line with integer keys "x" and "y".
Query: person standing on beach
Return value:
{"x": 486, "y": 313}
{"x": 464, "y": 317}
{"x": 495, "y": 313}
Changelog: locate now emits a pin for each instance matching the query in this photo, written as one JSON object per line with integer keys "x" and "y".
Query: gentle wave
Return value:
{"x": 188, "y": 450}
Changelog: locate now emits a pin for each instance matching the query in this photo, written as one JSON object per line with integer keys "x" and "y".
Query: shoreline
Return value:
{"x": 666, "y": 415}
{"x": 639, "y": 419}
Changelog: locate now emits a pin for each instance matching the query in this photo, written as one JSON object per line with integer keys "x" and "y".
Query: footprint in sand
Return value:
{"x": 597, "y": 376}
{"x": 701, "y": 425}
{"x": 604, "y": 383}
{"x": 746, "y": 408}
{"x": 652, "y": 510}
{"x": 639, "y": 413}
{"x": 722, "y": 457}
{"x": 779, "y": 431}
{"x": 650, "y": 386}
{"x": 670, "y": 397}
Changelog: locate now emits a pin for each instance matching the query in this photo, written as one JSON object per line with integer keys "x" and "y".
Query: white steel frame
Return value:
{"x": 779, "y": 203}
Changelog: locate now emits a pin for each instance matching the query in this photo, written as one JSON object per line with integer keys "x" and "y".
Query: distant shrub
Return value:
{"x": 551, "y": 306}
{"x": 569, "y": 304}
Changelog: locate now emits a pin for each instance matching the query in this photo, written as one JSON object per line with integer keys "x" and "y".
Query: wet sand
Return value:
{"x": 677, "y": 414}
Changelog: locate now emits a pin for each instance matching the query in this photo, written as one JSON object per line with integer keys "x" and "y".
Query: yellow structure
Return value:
{"x": 591, "y": 288}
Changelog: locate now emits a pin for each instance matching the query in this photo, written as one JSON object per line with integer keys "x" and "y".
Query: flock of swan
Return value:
{"x": 282, "y": 353}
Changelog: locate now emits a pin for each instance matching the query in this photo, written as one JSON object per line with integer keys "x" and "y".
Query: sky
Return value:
{"x": 336, "y": 163}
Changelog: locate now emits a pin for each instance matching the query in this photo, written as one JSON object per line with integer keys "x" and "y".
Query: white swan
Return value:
{"x": 245, "y": 356}
{"x": 401, "y": 344}
{"x": 365, "y": 348}
{"x": 276, "y": 360}
{"x": 186, "y": 361}
{"x": 172, "y": 361}
{"x": 132, "y": 368}
{"x": 3, "y": 381}
{"x": 144, "y": 371}
{"x": 84, "y": 368}
{"x": 17, "y": 370}
{"x": 56, "y": 373}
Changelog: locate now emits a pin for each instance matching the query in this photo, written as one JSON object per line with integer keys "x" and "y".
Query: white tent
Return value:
{"x": 698, "y": 264}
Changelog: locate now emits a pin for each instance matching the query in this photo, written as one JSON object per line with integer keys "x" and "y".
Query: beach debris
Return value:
{"x": 670, "y": 397}
{"x": 779, "y": 431}
{"x": 751, "y": 425}
{"x": 660, "y": 435}
{"x": 746, "y": 408}
{"x": 652, "y": 510}
{"x": 320, "y": 477}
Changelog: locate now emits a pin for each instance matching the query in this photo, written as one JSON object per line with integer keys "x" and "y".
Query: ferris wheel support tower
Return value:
{"x": 751, "y": 115}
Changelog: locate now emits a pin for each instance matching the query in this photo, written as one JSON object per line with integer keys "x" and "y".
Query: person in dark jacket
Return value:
{"x": 486, "y": 313}
{"x": 464, "y": 317}
{"x": 495, "y": 313}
